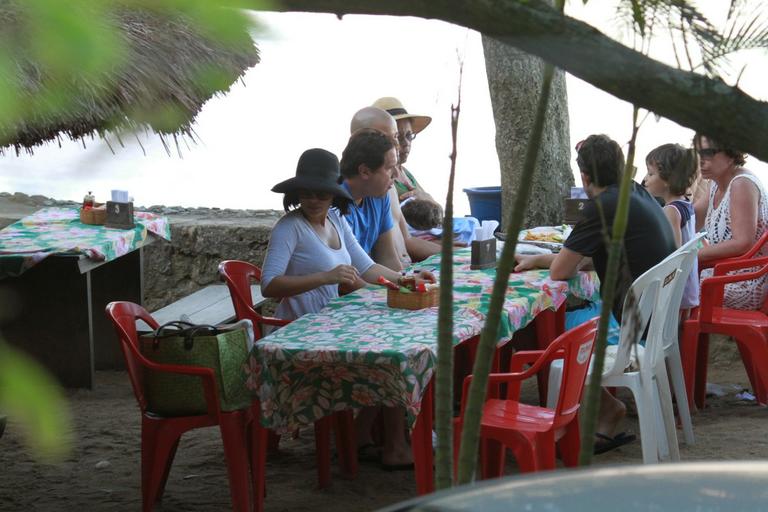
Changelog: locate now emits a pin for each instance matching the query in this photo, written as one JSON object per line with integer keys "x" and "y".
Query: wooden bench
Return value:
{"x": 211, "y": 305}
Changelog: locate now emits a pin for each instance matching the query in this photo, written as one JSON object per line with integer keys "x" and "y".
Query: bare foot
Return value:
{"x": 397, "y": 456}
{"x": 612, "y": 411}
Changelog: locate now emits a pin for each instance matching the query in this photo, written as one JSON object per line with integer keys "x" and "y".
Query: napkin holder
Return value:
{"x": 483, "y": 254}
{"x": 573, "y": 209}
{"x": 119, "y": 215}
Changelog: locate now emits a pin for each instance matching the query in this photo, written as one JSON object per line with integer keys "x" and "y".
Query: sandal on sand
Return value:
{"x": 606, "y": 443}
{"x": 369, "y": 452}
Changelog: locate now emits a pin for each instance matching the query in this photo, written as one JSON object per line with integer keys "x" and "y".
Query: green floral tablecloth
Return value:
{"x": 49, "y": 231}
{"x": 359, "y": 352}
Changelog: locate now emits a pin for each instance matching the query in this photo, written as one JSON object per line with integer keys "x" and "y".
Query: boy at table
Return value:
{"x": 647, "y": 241}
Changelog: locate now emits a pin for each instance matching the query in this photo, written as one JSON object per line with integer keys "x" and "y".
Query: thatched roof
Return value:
{"x": 161, "y": 73}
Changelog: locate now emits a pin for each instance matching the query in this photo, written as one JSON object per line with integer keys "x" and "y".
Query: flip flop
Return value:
{"x": 397, "y": 467}
{"x": 369, "y": 452}
{"x": 608, "y": 443}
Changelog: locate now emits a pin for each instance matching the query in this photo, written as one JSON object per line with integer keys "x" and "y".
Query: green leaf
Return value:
{"x": 35, "y": 400}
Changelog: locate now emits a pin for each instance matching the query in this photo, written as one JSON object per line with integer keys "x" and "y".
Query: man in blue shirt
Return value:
{"x": 367, "y": 165}
{"x": 407, "y": 247}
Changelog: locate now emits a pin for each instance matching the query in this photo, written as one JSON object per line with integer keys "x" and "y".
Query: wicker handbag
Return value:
{"x": 224, "y": 349}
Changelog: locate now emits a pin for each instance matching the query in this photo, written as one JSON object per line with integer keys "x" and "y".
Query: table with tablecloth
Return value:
{"x": 52, "y": 231}
{"x": 58, "y": 274}
{"x": 359, "y": 352}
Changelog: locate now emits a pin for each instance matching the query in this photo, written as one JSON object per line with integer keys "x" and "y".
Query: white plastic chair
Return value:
{"x": 650, "y": 293}
{"x": 671, "y": 332}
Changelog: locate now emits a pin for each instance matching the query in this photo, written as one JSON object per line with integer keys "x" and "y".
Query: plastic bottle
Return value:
{"x": 88, "y": 200}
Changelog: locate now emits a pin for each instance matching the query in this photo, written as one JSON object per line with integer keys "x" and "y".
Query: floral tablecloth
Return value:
{"x": 49, "y": 231}
{"x": 359, "y": 352}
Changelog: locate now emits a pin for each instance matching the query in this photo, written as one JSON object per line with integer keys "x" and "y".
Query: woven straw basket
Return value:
{"x": 415, "y": 300}
{"x": 93, "y": 216}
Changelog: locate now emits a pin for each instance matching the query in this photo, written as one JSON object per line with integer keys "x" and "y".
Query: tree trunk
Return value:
{"x": 514, "y": 80}
{"x": 695, "y": 101}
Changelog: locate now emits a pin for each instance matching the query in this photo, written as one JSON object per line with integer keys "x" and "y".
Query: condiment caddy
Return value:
{"x": 91, "y": 212}
{"x": 409, "y": 294}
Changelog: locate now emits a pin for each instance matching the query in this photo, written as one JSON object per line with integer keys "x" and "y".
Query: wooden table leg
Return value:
{"x": 421, "y": 443}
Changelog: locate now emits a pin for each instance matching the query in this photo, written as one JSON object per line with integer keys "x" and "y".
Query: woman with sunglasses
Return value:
{"x": 311, "y": 249}
{"x": 734, "y": 211}
{"x": 311, "y": 252}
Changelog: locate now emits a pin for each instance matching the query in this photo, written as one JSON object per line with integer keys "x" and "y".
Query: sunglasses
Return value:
{"x": 309, "y": 194}
{"x": 708, "y": 152}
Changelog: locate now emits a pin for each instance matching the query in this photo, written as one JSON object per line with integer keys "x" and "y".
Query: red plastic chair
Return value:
{"x": 238, "y": 275}
{"x": 160, "y": 436}
{"x": 748, "y": 328}
{"x": 531, "y": 431}
{"x": 548, "y": 325}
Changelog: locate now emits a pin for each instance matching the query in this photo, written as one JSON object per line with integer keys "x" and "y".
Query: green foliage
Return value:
{"x": 746, "y": 29}
{"x": 34, "y": 400}
{"x": 61, "y": 63}
{"x": 67, "y": 40}
{"x": 223, "y": 21}
{"x": 444, "y": 375}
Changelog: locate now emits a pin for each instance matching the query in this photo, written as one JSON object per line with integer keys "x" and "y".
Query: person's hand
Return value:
{"x": 525, "y": 262}
{"x": 408, "y": 195}
{"x": 343, "y": 274}
{"x": 425, "y": 276}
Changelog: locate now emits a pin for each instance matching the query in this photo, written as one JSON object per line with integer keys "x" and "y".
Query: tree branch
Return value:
{"x": 703, "y": 104}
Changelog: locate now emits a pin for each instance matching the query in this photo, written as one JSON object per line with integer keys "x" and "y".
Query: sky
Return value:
{"x": 316, "y": 72}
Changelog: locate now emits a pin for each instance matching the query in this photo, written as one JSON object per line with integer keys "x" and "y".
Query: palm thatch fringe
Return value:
{"x": 168, "y": 72}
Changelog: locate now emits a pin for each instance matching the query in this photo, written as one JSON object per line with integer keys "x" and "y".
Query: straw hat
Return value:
{"x": 396, "y": 110}
{"x": 317, "y": 170}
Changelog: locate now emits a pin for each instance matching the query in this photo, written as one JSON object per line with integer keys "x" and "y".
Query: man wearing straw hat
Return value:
{"x": 408, "y": 248}
{"x": 408, "y": 126}
{"x": 406, "y": 186}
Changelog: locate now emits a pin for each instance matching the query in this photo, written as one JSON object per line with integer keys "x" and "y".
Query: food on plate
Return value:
{"x": 544, "y": 236}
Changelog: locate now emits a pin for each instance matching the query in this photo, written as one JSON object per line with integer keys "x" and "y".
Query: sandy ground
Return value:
{"x": 107, "y": 434}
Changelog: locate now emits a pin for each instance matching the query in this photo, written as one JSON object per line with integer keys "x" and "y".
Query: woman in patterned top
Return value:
{"x": 734, "y": 211}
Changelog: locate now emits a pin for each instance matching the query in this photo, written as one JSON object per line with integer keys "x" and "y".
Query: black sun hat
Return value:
{"x": 317, "y": 170}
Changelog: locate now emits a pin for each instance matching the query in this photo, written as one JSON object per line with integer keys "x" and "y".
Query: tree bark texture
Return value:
{"x": 514, "y": 80}
{"x": 704, "y": 104}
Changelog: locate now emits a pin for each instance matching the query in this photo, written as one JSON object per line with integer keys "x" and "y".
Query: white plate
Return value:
{"x": 555, "y": 235}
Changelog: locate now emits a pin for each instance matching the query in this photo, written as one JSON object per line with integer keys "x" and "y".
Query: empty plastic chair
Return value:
{"x": 531, "y": 431}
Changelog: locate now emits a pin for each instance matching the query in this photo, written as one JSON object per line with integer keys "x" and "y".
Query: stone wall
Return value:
{"x": 200, "y": 239}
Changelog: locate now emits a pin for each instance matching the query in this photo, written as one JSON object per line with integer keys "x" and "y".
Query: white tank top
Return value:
{"x": 748, "y": 295}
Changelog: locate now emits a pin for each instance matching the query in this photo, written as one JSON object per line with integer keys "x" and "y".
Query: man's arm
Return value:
{"x": 385, "y": 253}
{"x": 700, "y": 200}
{"x": 418, "y": 193}
{"x": 743, "y": 210}
{"x": 562, "y": 266}
{"x": 417, "y": 248}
